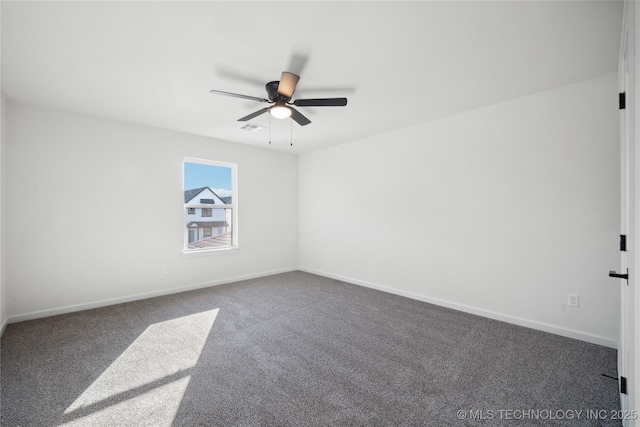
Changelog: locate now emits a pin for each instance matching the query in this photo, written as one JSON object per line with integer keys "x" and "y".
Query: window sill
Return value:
{"x": 196, "y": 253}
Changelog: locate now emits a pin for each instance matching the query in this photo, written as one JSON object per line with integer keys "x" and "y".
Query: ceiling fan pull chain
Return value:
{"x": 269, "y": 128}
{"x": 291, "y": 132}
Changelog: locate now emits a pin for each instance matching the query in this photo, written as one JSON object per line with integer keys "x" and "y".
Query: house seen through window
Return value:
{"x": 209, "y": 205}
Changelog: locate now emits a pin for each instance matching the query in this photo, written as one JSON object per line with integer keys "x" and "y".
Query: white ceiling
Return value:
{"x": 398, "y": 63}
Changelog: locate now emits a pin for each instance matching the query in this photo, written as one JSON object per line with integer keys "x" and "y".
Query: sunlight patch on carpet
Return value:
{"x": 156, "y": 408}
{"x": 149, "y": 378}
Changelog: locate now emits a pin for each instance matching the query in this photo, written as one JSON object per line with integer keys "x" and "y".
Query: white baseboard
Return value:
{"x": 103, "y": 303}
{"x": 3, "y": 325}
{"x": 545, "y": 327}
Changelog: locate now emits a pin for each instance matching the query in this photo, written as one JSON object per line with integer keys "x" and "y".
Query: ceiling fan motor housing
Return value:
{"x": 272, "y": 92}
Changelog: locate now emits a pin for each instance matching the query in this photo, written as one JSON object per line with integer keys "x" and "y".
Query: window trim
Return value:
{"x": 233, "y": 206}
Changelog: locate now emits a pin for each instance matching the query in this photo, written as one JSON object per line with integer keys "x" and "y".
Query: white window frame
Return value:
{"x": 233, "y": 206}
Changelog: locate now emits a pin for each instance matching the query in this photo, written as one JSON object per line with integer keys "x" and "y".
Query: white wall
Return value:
{"x": 94, "y": 177}
{"x": 3, "y": 127}
{"x": 3, "y": 132}
{"x": 500, "y": 211}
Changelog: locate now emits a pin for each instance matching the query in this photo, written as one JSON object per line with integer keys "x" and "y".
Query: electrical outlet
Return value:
{"x": 573, "y": 300}
{"x": 165, "y": 270}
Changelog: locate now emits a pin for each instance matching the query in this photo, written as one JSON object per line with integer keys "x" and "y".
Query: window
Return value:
{"x": 210, "y": 206}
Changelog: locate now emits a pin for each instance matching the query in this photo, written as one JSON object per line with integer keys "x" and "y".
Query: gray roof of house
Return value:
{"x": 221, "y": 241}
{"x": 213, "y": 224}
{"x": 190, "y": 194}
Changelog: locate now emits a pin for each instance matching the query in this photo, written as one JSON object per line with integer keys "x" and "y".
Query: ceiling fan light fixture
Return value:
{"x": 280, "y": 111}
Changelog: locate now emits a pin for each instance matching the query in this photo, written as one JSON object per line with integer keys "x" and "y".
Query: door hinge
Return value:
{"x": 623, "y": 242}
{"x": 622, "y": 101}
{"x": 623, "y": 385}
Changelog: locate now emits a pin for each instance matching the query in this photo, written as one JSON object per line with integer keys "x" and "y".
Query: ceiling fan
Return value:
{"x": 279, "y": 94}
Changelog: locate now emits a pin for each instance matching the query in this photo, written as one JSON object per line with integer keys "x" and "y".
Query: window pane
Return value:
{"x": 212, "y": 233}
{"x": 208, "y": 183}
{"x": 198, "y": 176}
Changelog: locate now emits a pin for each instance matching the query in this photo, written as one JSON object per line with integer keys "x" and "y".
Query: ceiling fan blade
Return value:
{"x": 237, "y": 95}
{"x": 256, "y": 114}
{"x": 299, "y": 118}
{"x": 297, "y": 62}
{"x": 287, "y": 85}
{"x": 321, "y": 102}
{"x": 231, "y": 74}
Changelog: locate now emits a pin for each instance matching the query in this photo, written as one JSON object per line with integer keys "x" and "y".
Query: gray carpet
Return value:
{"x": 296, "y": 349}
